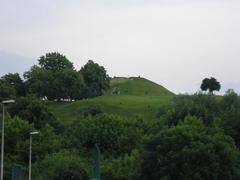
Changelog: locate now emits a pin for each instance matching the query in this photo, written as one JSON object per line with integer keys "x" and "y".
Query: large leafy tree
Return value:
{"x": 11, "y": 86}
{"x": 7, "y": 91}
{"x": 54, "y": 78}
{"x": 14, "y": 80}
{"x": 55, "y": 62}
{"x": 210, "y": 84}
{"x": 69, "y": 84}
{"x": 190, "y": 150}
{"x": 39, "y": 82}
{"x": 96, "y": 79}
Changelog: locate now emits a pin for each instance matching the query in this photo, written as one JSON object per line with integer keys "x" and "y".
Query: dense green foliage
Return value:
{"x": 123, "y": 168}
{"x": 33, "y": 110}
{"x": 190, "y": 150}
{"x": 62, "y": 166}
{"x": 6, "y": 90}
{"x": 16, "y": 143}
{"x": 195, "y": 137}
{"x": 11, "y": 86}
{"x": 55, "y": 62}
{"x": 54, "y": 78}
{"x": 96, "y": 79}
{"x": 114, "y": 134}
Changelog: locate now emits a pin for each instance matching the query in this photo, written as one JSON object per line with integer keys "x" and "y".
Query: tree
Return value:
{"x": 33, "y": 110}
{"x": 55, "y": 78}
{"x": 210, "y": 84}
{"x": 11, "y": 86}
{"x": 15, "y": 81}
{"x": 96, "y": 79}
{"x": 39, "y": 82}
{"x": 55, "y": 62}
{"x": 7, "y": 91}
{"x": 190, "y": 150}
{"x": 68, "y": 84}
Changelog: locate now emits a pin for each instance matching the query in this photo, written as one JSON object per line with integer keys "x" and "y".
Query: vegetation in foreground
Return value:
{"x": 143, "y": 130}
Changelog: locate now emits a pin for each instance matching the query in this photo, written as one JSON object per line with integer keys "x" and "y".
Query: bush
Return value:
{"x": 61, "y": 166}
{"x": 122, "y": 168}
{"x": 202, "y": 106}
{"x": 91, "y": 110}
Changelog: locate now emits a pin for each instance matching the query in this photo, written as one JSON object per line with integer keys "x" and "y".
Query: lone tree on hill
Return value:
{"x": 210, "y": 84}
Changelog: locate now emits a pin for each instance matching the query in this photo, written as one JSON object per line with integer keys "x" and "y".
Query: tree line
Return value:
{"x": 55, "y": 78}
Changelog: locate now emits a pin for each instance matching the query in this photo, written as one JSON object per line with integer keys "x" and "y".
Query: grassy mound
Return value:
{"x": 127, "y": 97}
{"x": 137, "y": 86}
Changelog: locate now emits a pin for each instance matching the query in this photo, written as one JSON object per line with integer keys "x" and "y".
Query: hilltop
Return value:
{"x": 137, "y": 86}
{"x": 127, "y": 97}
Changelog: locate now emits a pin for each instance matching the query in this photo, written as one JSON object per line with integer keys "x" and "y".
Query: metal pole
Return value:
{"x": 30, "y": 159}
{"x": 97, "y": 173}
{"x": 2, "y": 146}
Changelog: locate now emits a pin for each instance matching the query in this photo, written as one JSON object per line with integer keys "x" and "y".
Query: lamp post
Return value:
{"x": 30, "y": 154}
{"x": 2, "y": 145}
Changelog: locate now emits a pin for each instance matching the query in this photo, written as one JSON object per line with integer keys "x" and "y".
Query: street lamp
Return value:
{"x": 30, "y": 154}
{"x": 2, "y": 146}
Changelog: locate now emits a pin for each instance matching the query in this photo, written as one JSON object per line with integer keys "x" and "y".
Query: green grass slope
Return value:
{"x": 134, "y": 96}
{"x": 137, "y": 86}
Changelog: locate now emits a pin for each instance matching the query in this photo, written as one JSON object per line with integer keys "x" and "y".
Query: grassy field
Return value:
{"x": 136, "y": 96}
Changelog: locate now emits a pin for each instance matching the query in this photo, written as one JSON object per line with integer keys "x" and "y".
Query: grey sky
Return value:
{"x": 175, "y": 43}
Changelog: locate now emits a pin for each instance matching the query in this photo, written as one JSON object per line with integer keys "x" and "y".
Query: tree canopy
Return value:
{"x": 190, "y": 150}
{"x": 55, "y": 62}
{"x": 210, "y": 84}
{"x": 54, "y": 78}
{"x": 96, "y": 79}
{"x": 11, "y": 86}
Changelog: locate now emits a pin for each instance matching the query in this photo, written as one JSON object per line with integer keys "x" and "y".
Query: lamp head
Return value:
{"x": 8, "y": 101}
{"x": 33, "y": 133}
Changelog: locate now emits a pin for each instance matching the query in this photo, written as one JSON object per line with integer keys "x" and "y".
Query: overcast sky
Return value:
{"x": 175, "y": 43}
